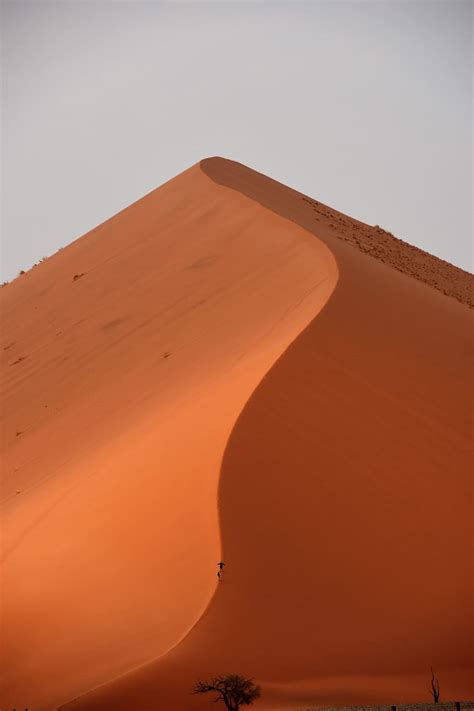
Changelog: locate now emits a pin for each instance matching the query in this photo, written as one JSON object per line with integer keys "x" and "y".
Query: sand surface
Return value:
{"x": 235, "y": 375}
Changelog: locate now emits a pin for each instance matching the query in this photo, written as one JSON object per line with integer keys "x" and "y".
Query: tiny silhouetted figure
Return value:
{"x": 219, "y": 574}
{"x": 235, "y": 691}
{"x": 221, "y": 565}
{"x": 434, "y": 687}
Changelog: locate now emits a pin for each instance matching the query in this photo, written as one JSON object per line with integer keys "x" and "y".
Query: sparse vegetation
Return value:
{"x": 234, "y": 690}
{"x": 434, "y": 687}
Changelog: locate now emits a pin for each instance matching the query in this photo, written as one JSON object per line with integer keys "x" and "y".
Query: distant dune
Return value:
{"x": 228, "y": 368}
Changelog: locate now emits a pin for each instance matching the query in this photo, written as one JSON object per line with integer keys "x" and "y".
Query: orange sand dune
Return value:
{"x": 121, "y": 388}
{"x": 345, "y": 493}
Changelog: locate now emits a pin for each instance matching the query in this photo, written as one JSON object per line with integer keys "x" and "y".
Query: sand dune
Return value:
{"x": 117, "y": 416}
{"x": 232, "y": 336}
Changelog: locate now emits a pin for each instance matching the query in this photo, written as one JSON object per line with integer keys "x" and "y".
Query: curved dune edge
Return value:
{"x": 85, "y": 514}
{"x": 371, "y": 240}
{"x": 381, "y": 416}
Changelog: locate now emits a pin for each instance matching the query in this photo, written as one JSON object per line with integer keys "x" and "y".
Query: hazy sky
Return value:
{"x": 366, "y": 106}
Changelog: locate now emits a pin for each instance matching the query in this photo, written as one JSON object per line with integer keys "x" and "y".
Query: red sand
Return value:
{"x": 345, "y": 491}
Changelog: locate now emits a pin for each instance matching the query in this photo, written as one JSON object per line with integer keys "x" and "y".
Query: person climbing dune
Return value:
{"x": 221, "y": 565}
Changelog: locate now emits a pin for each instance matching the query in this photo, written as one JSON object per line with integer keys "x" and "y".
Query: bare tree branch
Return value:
{"x": 233, "y": 690}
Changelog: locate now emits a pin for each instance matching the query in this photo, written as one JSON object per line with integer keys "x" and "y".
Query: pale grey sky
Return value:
{"x": 366, "y": 106}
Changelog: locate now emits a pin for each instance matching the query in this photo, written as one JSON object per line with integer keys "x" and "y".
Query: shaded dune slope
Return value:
{"x": 127, "y": 359}
{"x": 345, "y": 494}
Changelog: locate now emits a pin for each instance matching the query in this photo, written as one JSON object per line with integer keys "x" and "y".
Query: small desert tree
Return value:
{"x": 434, "y": 687}
{"x": 235, "y": 691}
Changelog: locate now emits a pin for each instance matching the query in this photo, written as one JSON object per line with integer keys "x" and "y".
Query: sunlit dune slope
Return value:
{"x": 345, "y": 493}
{"x": 127, "y": 358}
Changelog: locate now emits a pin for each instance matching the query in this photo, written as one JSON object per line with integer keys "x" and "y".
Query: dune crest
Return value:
{"x": 345, "y": 496}
{"x": 319, "y": 218}
{"x": 127, "y": 359}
